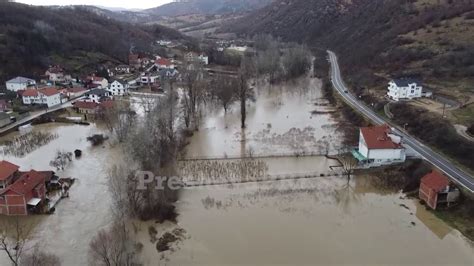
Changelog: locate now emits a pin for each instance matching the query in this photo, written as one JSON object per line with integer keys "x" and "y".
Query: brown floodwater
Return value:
{"x": 77, "y": 219}
{"x": 279, "y": 122}
{"x": 315, "y": 221}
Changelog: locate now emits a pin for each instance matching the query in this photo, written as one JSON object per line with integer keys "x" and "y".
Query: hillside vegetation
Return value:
{"x": 179, "y": 8}
{"x": 380, "y": 39}
{"x": 31, "y": 38}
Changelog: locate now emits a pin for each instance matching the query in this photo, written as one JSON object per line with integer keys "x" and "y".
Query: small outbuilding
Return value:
{"x": 436, "y": 190}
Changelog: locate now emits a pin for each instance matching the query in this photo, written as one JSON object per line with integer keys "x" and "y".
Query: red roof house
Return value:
{"x": 378, "y": 137}
{"x": 25, "y": 194}
{"x": 7, "y": 173}
{"x": 378, "y": 146}
{"x": 436, "y": 189}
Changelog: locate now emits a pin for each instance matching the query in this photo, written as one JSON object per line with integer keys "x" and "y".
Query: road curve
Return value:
{"x": 447, "y": 167}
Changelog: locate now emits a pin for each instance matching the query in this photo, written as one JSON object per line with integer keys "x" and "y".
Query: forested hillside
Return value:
{"x": 33, "y": 37}
{"x": 207, "y": 7}
{"x": 379, "y": 39}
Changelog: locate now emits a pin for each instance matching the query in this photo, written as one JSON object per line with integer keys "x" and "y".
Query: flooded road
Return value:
{"x": 323, "y": 220}
{"x": 77, "y": 219}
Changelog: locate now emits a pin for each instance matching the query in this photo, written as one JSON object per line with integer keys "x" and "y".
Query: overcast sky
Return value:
{"x": 142, "y": 4}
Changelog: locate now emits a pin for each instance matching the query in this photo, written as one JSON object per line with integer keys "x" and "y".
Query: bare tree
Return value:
{"x": 109, "y": 247}
{"x": 224, "y": 90}
{"x": 40, "y": 258}
{"x": 120, "y": 119}
{"x": 347, "y": 162}
{"x": 196, "y": 91}
{"x": 244, "y": 91}
{"x": 13, "y": 237}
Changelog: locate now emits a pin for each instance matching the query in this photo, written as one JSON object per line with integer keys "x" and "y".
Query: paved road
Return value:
{"x": 33, "y": 116}
{"x": 458, "y": 175}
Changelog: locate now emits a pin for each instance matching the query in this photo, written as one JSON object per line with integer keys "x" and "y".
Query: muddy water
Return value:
{"x": 323, "y": 220}
{"x": 68, "y": 231}
{"x": 279, "y": 122}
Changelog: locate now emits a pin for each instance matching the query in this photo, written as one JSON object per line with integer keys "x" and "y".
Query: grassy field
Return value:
{"x": 465, "y": 115}
{"x": 460, "y": 217}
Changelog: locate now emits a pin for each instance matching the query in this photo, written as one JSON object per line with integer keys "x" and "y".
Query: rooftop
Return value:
{"x": 435, "y": 181}
{"x": 27, "y": 182}
{"x": 405, "y": 82}
{"x": 85, "y": 105}
{"x": 20, "y": 80}
{"x": 7, "y": 169}
{"x": 377, "y": 137}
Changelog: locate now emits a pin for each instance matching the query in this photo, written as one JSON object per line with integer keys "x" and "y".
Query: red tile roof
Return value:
{"x": 27, "y": 182}
{"x": 30, "y": 93}
{"x": 435, "y": 181}
{"x": 377, "y": 137}
{"x": 7, "y": 169}
{"x": 107, "y": 104}
{"x": 163, "y": 62}
{"x": 76, "y": 89}
{"x": 49, "y": 91}
{"x": 85, "y": 105}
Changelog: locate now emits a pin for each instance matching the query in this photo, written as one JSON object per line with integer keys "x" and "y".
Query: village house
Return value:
{"x": 8, "y": 173}
{"x": 379, "y": 146}
{"x": 56, "y": 74}
{"x": 4, "y": 119}
{"x": 122, "y": 69}
{"x": 47, "y": 96}
{"x": 97, "y": 95}
{"x": 436, "y": 190}
{"x": 168, "y": 73}
{"x": 84, "y": 107}
{"x": 406, "y": 89}
{"x": 149, "y": 79}
{"x": 24, "y": 195}
{"x": 75, "y": 92}
{"x": 118, "y": 88}
{"x": 164, "y": 63}
{"x": 92, "y": 108}
{"x": 20, "y": 83}
{"x": 194, "y": 57}
{"x": 100, "y": 82}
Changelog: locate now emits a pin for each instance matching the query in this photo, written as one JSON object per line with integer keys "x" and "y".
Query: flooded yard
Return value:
{"x": 77, "y": 219}
{"x": 319, "y": 220}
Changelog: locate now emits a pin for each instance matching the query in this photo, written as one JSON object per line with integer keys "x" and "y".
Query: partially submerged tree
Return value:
{"x": 224, "y": 90}
{"x": 13, "y": 237}
{"x": 244, "y": 91}
{"x": 109, "y": 247}
{"x": 120, "y": 118}
{"x": 40, "y": 258}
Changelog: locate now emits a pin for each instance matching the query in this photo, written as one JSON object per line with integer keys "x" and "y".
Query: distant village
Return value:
{"x": 93, "y": 92}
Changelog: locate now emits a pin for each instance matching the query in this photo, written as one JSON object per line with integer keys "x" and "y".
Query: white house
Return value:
{"x": 118, "y": 88}
{"x": 405, "y": 89}
{"x": 149, "y": 79}
{"x": 122, "y": 69}
{"x": 46, "y": 96}
{"x": 378, "y": 146}
{"x": 20, "y": 83}
{"x": 203, "y": 59}
{"x": 97, "y": 95}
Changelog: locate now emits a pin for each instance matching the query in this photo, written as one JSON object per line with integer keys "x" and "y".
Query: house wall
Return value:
{"x": 386, "y": 154}
{"x": 53, "y": 100}
{"x": 363, "y": 146}
{"x": 397, "y": 93}
{"x": 17, "y": 86}
{"x": 428, "y": 195}
{"x": 15, "y": 205}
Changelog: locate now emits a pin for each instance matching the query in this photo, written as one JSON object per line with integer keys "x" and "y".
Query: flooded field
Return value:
{"x": 77, "y": 219}
{"x": 320, "y": 220}
{"x": 281, "y": 121}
